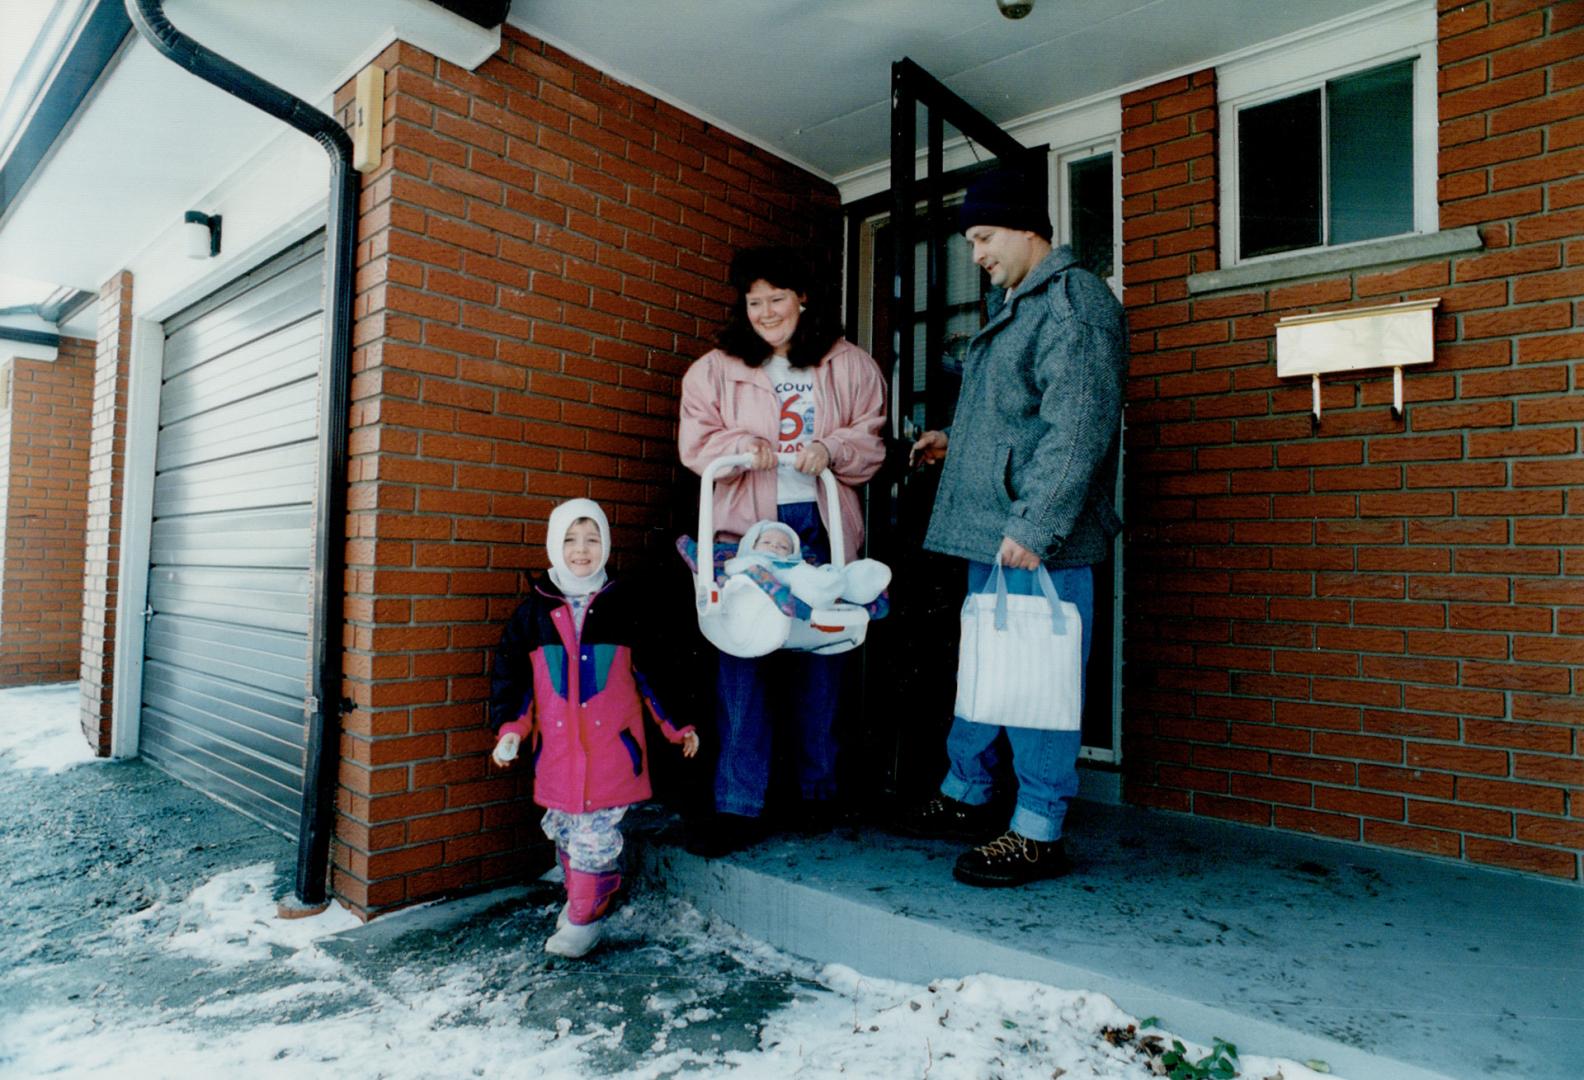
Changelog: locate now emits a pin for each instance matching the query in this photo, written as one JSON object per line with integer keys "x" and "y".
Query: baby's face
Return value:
{"x": 774, "y": 542}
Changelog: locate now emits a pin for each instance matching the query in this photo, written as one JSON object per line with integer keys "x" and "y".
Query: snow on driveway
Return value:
{"x": 670, "y": 993}
{"x": 38, "y": 728}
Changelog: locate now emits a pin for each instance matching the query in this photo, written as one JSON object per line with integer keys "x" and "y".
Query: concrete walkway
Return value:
{"x": 1379, "y": 964}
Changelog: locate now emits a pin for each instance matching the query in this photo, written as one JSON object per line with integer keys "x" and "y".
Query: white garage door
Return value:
{"x": 225, "y": 667}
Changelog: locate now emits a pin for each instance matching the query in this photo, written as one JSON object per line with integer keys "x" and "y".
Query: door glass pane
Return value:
{"x": 1092, "y": 212}
{"x": 1371, "y": 153}
{"x": 964, "y": 315}
{"x": 1279, "y": 175}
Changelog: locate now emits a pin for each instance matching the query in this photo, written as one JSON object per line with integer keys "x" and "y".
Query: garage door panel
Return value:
{"x": 275, "y": 537}
{"x": 265, "y": 309}
{"x": 227, "y": 597}
{"x": 288, "y": 356}
{"x": 217, "y": 775}
{"x": 266, "y": 659}
{"x": 283, "y": 476}
{"x": 267, "y": 726}
{"x": 226, "y": 663}
{"x": 287, "y": 414}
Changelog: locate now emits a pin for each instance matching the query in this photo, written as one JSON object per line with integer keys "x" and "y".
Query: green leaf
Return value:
{"x": 1009, "y": 1025}
{"x": 1150, "y": 1021}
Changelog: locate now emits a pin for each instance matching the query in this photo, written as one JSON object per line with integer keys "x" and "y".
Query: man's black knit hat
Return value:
{"x": 1007, "y": 198}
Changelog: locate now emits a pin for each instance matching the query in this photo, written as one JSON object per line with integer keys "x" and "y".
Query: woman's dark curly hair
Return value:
{"x": 783, "y": 268}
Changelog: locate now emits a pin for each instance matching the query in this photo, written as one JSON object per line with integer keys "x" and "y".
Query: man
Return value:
{"x": 1029, "y": 478}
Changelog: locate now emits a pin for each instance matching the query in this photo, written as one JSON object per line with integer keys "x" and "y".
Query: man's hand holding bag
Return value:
{"x": 1020, "y": 663}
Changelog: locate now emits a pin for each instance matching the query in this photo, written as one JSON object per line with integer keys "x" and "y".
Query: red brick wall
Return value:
{"x": 543, "y": 251}
{"x": 44, "y": 484}
{"x": 102, "y": 552}
{"x": 1375, "y": 633}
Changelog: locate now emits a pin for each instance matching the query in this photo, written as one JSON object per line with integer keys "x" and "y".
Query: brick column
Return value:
{"x": 44, "y": 435}
{"x": 102, "y": 553}
{"x": 543, "y": 253}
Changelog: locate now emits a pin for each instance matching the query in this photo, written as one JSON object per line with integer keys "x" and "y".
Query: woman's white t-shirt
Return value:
{"x": 795, "y": 388}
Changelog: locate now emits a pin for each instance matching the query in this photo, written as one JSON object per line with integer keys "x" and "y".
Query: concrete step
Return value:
{"x": 1377, "y": 963}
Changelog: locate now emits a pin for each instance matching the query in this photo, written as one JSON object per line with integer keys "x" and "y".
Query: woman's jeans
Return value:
{"x": 806, "y": 689}
{"x": 1045, "y": 762}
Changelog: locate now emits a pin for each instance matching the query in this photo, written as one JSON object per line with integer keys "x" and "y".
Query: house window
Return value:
{"x": 1329, "y": 165}
{"x": 1087, "y": 202}
{"x": 1092, "y": 211}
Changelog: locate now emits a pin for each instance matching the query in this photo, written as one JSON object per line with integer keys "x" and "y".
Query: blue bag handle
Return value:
{"x": 1047, "y": 586}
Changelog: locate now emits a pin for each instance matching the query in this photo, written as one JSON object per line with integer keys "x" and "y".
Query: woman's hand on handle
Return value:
{"x": 763, "y": 455}
{"x": 813, "y": 459}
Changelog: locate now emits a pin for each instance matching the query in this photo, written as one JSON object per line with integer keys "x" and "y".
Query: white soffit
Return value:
{"x": 812, "y": 81}
{"x": 152, "y": 138}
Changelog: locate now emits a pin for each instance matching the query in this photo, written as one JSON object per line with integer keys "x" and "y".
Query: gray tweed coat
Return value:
{"x": 1034, "y": 443}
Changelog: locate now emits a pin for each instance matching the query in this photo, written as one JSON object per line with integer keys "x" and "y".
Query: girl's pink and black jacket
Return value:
{"x": 577, "y": 700}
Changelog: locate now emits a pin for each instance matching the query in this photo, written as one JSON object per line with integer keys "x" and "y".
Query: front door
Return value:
{"x": 917, "y": 300}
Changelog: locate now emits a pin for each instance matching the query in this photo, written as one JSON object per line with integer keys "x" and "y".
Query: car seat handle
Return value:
{"x": 706, "y": 529}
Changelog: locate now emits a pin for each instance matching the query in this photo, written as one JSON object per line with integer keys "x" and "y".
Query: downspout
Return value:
{"x": 322, "y": 707}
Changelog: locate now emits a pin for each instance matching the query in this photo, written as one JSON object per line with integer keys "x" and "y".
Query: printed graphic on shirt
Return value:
{"x": 796, "y": 392}
{"x": 795, "y": 389}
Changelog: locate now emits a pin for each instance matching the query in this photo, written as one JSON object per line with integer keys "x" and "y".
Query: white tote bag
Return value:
{"x": 1020, "y": 663}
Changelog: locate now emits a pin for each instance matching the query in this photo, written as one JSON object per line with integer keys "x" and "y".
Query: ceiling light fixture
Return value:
{"x": 1015, "y": 9}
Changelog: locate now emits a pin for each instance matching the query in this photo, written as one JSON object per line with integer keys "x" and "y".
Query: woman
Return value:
{"x": 782, "y": 381}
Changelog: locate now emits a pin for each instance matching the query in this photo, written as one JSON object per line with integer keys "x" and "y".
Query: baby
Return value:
{"x": 775, "y": 546}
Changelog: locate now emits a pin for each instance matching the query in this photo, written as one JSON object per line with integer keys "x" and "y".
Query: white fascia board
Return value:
{"x": 26, "y": 350}
{"x": 278, "y": 195}
{"x": 453, "y": 39}
{"x": 1064, "y": 128}
{"x": 24, "y": 321}
{"x": 1326, "y": 50}
{"x": 1389, "y": 22}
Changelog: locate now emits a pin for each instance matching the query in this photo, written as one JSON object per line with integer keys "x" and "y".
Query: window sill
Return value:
{"x": 1394, "y": 249}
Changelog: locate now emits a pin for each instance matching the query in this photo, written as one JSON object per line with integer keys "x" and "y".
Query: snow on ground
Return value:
{"x": 38, "y": 728}
{"x": 293, "y": 999}
{"x": 231, "y": 920}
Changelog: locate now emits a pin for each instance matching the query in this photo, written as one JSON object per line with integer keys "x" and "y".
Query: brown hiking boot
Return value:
{"x": 944, "y": 818}
{"x": 1012, "y": 859}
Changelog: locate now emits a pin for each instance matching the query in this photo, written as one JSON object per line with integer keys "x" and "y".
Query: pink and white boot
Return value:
{"x": 589, "y": 897}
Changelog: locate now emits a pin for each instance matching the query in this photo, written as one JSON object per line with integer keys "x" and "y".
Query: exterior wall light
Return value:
{"x": 201, "y": 234}
{"x": 1015, "y": 9}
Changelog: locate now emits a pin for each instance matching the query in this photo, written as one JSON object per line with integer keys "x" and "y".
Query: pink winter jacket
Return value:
{"x": 577, "y": 699}
{"x": 726, "y": 405}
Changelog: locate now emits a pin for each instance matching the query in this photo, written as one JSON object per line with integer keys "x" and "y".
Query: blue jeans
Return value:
{"x": 1045, "y": 762}
{"x": 744, "y": 713}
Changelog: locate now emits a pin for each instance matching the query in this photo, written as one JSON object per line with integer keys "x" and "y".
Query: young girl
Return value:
{"x": 564, "y": 683}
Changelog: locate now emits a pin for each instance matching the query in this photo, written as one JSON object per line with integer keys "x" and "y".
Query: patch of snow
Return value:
{"x": 459, "y": 1022}
{"x": 230, "y": 919}
{"x": 39, "y": 729}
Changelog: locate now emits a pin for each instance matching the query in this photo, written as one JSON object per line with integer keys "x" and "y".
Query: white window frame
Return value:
{"x": 1061, "y": 198}
{"x": 1402, "y": 33}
